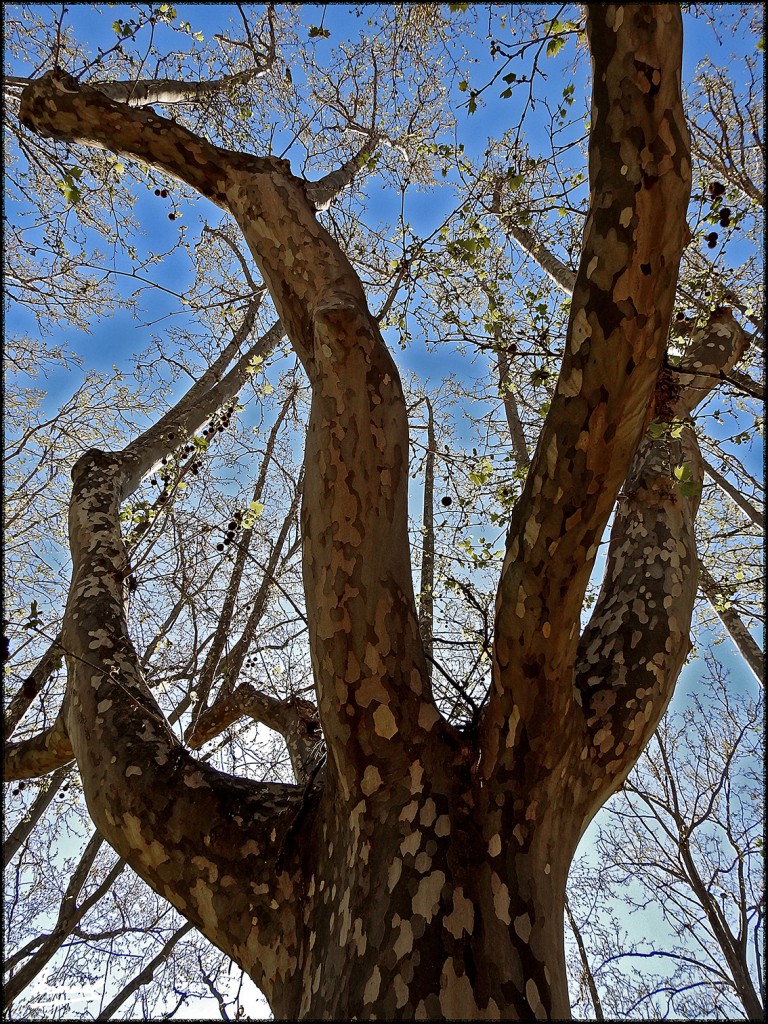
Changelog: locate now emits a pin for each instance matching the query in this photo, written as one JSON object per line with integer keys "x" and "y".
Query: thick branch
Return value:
{"x": 295, "y": 719}
{"x": 38, "y": 755}
{"x": 182, "y": 826}
{"x": 324, "y": 191}
{"x": 635, "y": 231}
{"x": 634, "y": 646}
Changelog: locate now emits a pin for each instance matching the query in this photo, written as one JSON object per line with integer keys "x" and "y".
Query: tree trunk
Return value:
{"x": 424, "y": 876}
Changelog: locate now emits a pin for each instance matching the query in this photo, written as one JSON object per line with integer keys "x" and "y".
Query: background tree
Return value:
{"x": 418, "y": 750}
{"x": 683, "y": 834}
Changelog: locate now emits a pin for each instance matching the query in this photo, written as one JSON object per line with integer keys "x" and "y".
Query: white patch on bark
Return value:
{"x": 371, "y": 993}
{"x": 371, "y": 780}
{"x": 404, "y": 941}
{"x": 395, "y": 870}
{"x": 534, "y": 999}
{"x": 411, "y": 843}
{"x": 194, "y": 780}
{"x": 428, "y": 813}
{"x": 384, "y": 722}
{"x": 462, "y": 917}
{"x": 457, "y": 1000}
{"x": 427, "y": 897}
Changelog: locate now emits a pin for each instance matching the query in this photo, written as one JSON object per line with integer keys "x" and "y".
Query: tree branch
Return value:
{"x": 620, "y": 313}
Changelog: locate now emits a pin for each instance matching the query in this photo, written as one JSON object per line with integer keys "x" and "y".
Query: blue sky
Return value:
{"x": 114, "y": 341}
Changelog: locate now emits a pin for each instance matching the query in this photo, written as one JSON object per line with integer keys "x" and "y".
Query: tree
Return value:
{"x": 417, "y": 865}
{"x": 683, "y": 833}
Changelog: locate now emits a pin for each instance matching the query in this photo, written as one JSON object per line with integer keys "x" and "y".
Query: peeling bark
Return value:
{"x": 424, "y": 875}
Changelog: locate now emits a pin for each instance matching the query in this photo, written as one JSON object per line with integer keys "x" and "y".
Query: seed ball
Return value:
{"x": 164, "y": 193}
{"x": 171, "y": 216}
{"x": 157, "y": 191}
{"x": 219, "y": 547}
{"x": 446, "y": 501}
{"x": 232, "y": 525}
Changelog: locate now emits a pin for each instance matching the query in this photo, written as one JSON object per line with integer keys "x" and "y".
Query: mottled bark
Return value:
{"x": 295, "y": 719}
{"x": 38, "y": 755}
{"x": 713, "y": 352}
{"x": 425, "y": 877}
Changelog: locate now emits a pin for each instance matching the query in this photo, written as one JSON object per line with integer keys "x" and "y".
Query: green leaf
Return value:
{"x": 472, "y": 105}
{"x": 463, "y": 86}
{"x": 317, "y": 32}
{"x": 689, "y": 489}
{"x": 554, "y": 46}
{"x": 69, "y": 190}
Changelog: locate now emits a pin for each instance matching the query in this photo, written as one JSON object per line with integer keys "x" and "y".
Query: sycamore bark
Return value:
{"x": 423, "y": 874}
